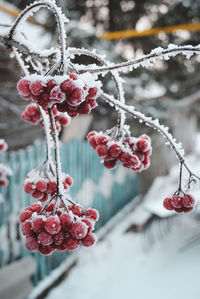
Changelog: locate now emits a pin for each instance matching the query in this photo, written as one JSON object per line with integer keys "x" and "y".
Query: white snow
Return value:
{"x": 126, "y": 265}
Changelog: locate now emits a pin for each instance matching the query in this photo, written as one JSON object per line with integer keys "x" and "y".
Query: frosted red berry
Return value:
{"x": 31, "y": 244}
{"x": 93, "y": 213}
{"x": 38, "y": 224}
{"x": 52, "y": 225}
{"x": 89, "y": 240}
{"x": 45, "y": 238}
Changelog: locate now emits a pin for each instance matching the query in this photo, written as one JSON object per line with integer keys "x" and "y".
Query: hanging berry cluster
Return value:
{"x": 179, "y": 203}
{"x": 33, "y": 116}
{"x": 50, "y": 228}
{"x": 74, "y": 94}
{"x": 133, "y": 153}
{"x": 41, "y": 185}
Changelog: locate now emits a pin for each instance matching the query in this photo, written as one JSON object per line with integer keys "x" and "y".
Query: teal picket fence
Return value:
{"x": 94, "y": 185}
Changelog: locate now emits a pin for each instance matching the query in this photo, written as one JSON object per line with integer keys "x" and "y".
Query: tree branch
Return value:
{"x": 146, "y": 60}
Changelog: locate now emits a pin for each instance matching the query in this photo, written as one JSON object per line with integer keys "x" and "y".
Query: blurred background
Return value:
{"x": 169, "y": 90}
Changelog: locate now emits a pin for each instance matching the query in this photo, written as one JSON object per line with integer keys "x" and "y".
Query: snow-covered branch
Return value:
{"x": 150, "y": 122}
{"x": 146, "y": 60}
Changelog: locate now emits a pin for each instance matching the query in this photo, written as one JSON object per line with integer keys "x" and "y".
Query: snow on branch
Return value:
{"x": 149, "y": 122}
{"x": 147, "y": 60}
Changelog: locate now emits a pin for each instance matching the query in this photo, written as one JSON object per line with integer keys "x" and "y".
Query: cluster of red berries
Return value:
{"x": 179, "y": 203}
{"x": 40, "y": 185}
{"x": 63, "y": 230}
{"x": 74, "y": 94}
{"x": 32, "y": 115}
{"x": 132, "y": 152}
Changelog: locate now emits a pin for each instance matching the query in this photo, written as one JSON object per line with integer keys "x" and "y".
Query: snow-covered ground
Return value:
{"x": 126, "y": 265}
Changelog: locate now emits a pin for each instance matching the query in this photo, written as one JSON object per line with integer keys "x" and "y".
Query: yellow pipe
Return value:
{"x": 16, "y": 13}
{"x": 153, "y": 31}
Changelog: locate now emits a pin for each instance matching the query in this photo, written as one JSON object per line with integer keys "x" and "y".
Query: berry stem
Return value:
{"x": 56, "y": 153}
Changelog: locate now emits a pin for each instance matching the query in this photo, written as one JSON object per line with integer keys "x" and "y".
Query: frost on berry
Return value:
{"x": 72, "y": 93}
{"x": 79, "y": 230}
{"x": 179, "y": 203}
{"x": 133, "y": 153}
{"x": 31, "y": 244}
{"x": 89, "y": 240}
{"x": 45, "y": 238}
{"x": 93, "y": 213}
{"x": 52, "y": 225}
{"x": 38, "y": 224}
{"x": 71, "y": 244}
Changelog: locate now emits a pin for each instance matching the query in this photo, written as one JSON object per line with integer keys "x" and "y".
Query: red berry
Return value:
{"x": 176, "y": 202}
{"x": 45, "y": 238}
{"x": 51, "y": 84}
{"x": 51, "y": 187}
{"x": 79, "y": 230}
{"x": 188, "y": 201}
{"x": 41, "y": 186}
{"x": 93, "y": 213}
{"x": 85, "y": 108}
{"x": 167, "y": 204}
{"x": 142, "y": 145}
{"x": 45, "y": 250}
{"x": 38, "y": 224}
{"x": 69, "y": 180}
{"x": 23, "y": 87}
{"x": 76, "y": 97}
{"x": 92, "y": 141}
{"x": 92, "y": 92}
{"x": 35, "y": 207}
{"x": 52, "y": 225}
{"x": 44, "y": 197}
{"x": 31, "y": 244}
{"x": 26, "y": 228}
{"x": 73, "y": 76}
{"x": 50, "y": 207}
{"x": 36, "y": 88}
{"x": 29, "y": 187}
{"x": 102, "y": 151}
{"x": 57, "y": 95}
{"x": 89, "y": 222}
{"x": 25, "y": 215}
{"x": 71, "y": 244}
{"x": 76, "y": 210}
{"x": 115, "y": 150}
{"x": 101, "y": 140}
{"x": 66, "y": 221}
{"x": 37, "y": 194}
{"x": 89, "y": 240}
{"x": 110, "y": 164}
{"x": 59, "y": 238}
